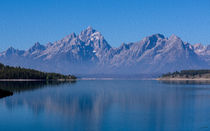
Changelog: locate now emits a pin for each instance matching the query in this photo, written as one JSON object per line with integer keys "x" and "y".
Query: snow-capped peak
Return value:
{"x": 95, "y": 36}
{"x": 86, "y": 34}
{"x": 89, "y": 52}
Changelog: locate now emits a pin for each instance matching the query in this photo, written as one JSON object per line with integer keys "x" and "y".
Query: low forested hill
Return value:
{"x": 187, "y": 74}
{"x": 8, "y": 72}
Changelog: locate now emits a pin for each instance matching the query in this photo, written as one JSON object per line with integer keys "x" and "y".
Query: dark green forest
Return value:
{"x": 189, "y": 74}
{"x": 8, "y": 72}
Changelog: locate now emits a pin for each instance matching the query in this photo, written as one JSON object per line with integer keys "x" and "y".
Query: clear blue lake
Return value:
{"x": 106, "y": 105}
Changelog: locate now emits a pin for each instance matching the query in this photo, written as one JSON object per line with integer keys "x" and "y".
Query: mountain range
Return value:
{"x": 89, "y": 53}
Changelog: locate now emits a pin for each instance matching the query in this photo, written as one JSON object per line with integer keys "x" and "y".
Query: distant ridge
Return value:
{"x": 89, "y": 53}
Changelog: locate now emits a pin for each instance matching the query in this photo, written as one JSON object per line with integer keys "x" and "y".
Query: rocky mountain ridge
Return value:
{"x": 90, "y": 53}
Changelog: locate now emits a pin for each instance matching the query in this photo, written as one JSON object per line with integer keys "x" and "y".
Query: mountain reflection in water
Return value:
{"x": 115, "y": 105}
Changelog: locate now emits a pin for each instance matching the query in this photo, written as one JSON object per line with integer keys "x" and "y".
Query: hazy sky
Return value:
{"x": 24, "y": 22}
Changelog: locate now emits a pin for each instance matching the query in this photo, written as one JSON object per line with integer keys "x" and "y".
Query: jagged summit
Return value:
{"x": 90, "y": 28}
{"x": 174, "y": 37}
{"x": 70, "y": 36}
{"x": 87, "y": 33}
{"x": 37, "y": 46}
{"x": 157, "y": 36}
{"x": 11, "y": 49}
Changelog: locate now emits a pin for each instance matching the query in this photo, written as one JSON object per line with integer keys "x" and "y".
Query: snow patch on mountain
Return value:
{"x": 89, "y": 53}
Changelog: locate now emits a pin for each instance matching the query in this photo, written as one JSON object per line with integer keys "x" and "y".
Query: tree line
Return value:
{"x": 187, "y": 73}
{"x": 8, "y": 72}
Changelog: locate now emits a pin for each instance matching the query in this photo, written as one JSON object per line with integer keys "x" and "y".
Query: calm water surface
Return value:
{"x": 105, "y": 105}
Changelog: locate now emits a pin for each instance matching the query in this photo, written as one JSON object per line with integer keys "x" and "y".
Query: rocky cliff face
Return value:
{"x": 89, "y": 53}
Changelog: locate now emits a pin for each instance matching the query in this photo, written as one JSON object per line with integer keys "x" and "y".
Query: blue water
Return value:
{"x": 94, "y": 105}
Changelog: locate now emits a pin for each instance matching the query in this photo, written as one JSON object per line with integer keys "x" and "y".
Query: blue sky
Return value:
{"x": 24, "y": 22}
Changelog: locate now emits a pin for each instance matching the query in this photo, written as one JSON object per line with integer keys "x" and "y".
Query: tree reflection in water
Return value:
{"x": 111, "y": 104}
{"x": 7, "y": 88}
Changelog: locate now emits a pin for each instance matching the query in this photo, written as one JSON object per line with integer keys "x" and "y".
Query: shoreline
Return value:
{"x": 158, "y": 79}
{"x": 37, "y": 80}
{"x": 116, "y": 79}
{"x": 183, "y": 79}
{"x": 77, "y": 79}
